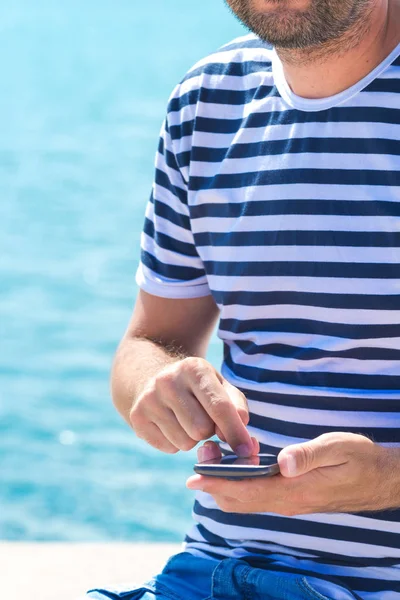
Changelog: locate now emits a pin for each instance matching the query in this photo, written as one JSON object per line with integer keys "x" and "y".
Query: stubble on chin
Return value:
{"x": 310, "y": 30}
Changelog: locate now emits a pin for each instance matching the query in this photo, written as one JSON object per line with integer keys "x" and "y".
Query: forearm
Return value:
{"x": 136, "y": 362}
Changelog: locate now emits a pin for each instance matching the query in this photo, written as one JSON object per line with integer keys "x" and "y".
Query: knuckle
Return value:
{"x": 202, "y": 434}
{"x": 170, "y": 450}
{"x": 181, "y": 401}
{"x": 199, "y": 371}
{"x": 161, "y": 445}
{"x": 243, "y": 399}
{"x": 357, "y": 443}
{"x": 203, "y": 431}
{"x": 136, "y": 417}
{"x": 193, "y": 365}
{"x": 133, "y": 414}
{"x": 149, "y": 392}
{"x": 187, "y": 445}
{"x": 306, "y": 456}
{"x": 244, "y": 415}
{"x": 165, "y": 381}
{"x": 219, "y": 407}
{"x": 141, "y": 434}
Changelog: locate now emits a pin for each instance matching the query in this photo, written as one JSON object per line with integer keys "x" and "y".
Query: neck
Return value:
{"x": 330, "y": 69}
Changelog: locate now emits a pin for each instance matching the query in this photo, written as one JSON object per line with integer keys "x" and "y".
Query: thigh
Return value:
{"x": 184, "y": 577}
{"x": 235, "y": 579}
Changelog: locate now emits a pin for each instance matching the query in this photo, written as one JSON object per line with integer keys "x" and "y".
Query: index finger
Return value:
{"x": 219, "y": 406}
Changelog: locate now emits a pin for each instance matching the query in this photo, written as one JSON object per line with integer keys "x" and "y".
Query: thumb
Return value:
{"x": 299, "y": 459}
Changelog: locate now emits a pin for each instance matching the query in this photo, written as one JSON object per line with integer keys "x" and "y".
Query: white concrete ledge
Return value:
{"x": 61, "y": 571}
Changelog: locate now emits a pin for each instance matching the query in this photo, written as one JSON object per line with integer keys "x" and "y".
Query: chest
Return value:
{"x": 294, "y": 204}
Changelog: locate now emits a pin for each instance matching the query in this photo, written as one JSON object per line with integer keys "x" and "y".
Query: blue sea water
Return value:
{"x": 84, "y": 87}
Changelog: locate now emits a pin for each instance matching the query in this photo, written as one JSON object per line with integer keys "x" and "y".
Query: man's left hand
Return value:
{"x": 336, "y": 472}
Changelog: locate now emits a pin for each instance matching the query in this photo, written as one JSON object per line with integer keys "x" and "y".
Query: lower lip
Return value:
{"x": 266, "y": 4}
{"x": 262, "y": 5}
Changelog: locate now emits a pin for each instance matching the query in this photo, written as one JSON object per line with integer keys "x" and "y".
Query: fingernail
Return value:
{"x": 244, "y": 450}
{"x": 290, "y": 464}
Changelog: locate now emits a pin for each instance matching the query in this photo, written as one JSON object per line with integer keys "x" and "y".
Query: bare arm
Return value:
{"x": 161, "y": 332}
{"x": 162, "y": 385}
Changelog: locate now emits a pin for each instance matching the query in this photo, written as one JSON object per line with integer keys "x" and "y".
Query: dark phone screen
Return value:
{"x": 259, "y": 460}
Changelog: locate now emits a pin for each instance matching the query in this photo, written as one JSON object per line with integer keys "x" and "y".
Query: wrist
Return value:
{"x": 389, "y": 475}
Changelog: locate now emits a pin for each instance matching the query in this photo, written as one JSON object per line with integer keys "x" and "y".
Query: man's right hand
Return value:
{"x": 188, "y": 401}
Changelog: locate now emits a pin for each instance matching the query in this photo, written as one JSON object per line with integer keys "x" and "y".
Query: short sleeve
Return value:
{"x": 170, "y": 266}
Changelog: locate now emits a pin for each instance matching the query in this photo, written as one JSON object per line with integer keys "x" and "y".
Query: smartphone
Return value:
{"x": 233, "y": 467}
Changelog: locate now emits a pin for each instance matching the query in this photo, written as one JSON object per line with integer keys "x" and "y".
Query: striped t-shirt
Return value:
{"x": 287, "y": 211}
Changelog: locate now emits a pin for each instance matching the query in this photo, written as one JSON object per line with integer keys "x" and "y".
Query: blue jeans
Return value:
{"x": 188, "y": 577}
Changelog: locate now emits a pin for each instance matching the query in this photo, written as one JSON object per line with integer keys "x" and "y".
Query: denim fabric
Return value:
{"x": 187, "y": 577}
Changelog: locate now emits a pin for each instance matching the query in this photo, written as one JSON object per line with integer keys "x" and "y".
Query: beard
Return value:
{"x": 323, "y": 22}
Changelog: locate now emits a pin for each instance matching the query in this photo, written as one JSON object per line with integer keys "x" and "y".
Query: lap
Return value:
{"x": 187, "y": 577}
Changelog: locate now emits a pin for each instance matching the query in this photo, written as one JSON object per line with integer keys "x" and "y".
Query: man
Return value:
{"x": 276, "y": 208}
